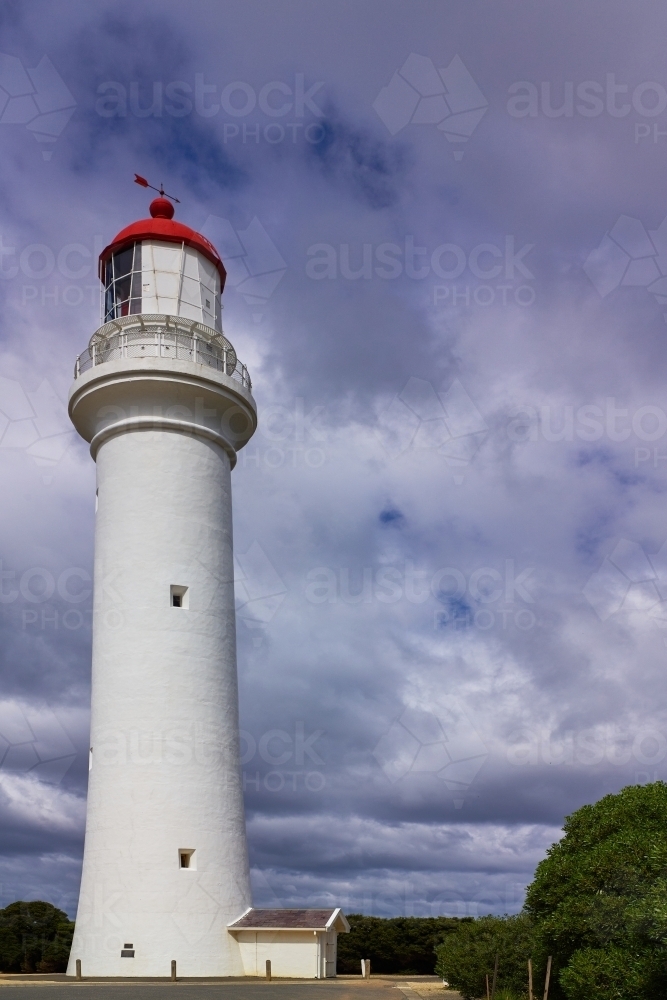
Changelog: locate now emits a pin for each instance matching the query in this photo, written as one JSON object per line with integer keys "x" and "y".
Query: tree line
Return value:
{"x": 34, "y": 937}
{"x": 597, "y": 907}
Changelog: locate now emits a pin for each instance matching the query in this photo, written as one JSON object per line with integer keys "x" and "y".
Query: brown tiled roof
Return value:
{"x": 292, "y": 919}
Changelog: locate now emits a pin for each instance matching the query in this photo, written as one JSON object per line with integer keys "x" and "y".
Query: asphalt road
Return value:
{"x": 45, "y": 989}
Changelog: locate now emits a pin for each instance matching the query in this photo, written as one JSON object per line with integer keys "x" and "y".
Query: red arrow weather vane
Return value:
{"x": 138, "y": 179}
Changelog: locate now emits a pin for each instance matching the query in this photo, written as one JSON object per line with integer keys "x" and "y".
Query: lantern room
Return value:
{"x": 158, "y": 265}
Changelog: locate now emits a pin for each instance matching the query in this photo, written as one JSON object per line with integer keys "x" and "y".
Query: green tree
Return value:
{"x": 611, "y": 973}
{"x": 599, "y": 899}
{"x": 394, "y": 945}
{"x": 34, "y": 937}
{"x": 466, "y": 956}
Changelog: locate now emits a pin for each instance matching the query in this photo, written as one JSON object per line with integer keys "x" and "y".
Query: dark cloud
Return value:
{"x": 369, "y": 168}
{"x": 457, "y": 485}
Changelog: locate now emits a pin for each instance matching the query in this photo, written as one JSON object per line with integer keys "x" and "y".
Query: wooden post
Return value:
{"x": 495, "y": 978}
{"x": 548, "y": 977}
{"x": 488, "y": 995}
{"x": 366, "y": 968}
{"x": 268, "y": 969}
{"x": 530, "y": 979}
{"x": 173, "y": 970}
{"x": 78, "y": 968}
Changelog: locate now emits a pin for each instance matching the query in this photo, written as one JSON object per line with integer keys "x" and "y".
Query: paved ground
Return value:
{"x": 344, "y": 988}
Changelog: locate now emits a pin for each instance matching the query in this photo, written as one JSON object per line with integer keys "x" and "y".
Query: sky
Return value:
{"x": 444, "y": 223}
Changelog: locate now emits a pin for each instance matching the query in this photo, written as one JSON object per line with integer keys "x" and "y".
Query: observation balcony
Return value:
{"x": 176, "y": 338}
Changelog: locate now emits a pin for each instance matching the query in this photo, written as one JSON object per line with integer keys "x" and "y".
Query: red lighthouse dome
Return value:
{"x": 159, "y": 265}
{"x": 162, "y": 226}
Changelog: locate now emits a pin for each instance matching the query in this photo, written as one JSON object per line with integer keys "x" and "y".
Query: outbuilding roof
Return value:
{"x": 291, "y": 920}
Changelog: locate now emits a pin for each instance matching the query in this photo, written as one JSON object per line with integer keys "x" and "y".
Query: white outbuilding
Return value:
{"x": 300, "y": 944}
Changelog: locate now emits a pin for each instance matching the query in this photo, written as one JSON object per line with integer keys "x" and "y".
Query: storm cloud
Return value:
{"x": 444, "y": 227}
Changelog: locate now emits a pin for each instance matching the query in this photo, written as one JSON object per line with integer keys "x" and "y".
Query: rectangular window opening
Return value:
{"x": 186, "y": 858}
{"x": 178, "y": 597}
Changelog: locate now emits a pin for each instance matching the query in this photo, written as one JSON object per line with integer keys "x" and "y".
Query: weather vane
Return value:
{"x": 138, "y": 179}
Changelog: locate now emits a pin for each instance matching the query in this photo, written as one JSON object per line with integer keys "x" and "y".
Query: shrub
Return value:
{"x": 599, "y": 899}
{"x": 468, "y": 954}
{"x": 610, "y": 974}
{"x": 34, "y": 937}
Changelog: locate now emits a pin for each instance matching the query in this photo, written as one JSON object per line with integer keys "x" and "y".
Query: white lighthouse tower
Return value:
{"x": 165, "y": 404}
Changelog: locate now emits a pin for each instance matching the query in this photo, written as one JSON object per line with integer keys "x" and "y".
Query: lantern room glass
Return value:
{"x": 122, "y": 283}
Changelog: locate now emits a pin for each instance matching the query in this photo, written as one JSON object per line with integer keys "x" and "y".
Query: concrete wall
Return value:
{"x": 293, "y": 954}
{"x": 164, "y": 729}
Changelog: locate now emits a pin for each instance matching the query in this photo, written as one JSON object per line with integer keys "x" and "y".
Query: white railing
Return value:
{"x": 150, "y": 336}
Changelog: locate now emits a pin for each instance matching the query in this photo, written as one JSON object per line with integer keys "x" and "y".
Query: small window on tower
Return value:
{"x": 178, "y": 596}
{"x": 208, "y": 303}
{"x": 186, "y": 858}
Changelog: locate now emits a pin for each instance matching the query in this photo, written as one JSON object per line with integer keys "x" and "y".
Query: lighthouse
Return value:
{"x": 165, "y": 405}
